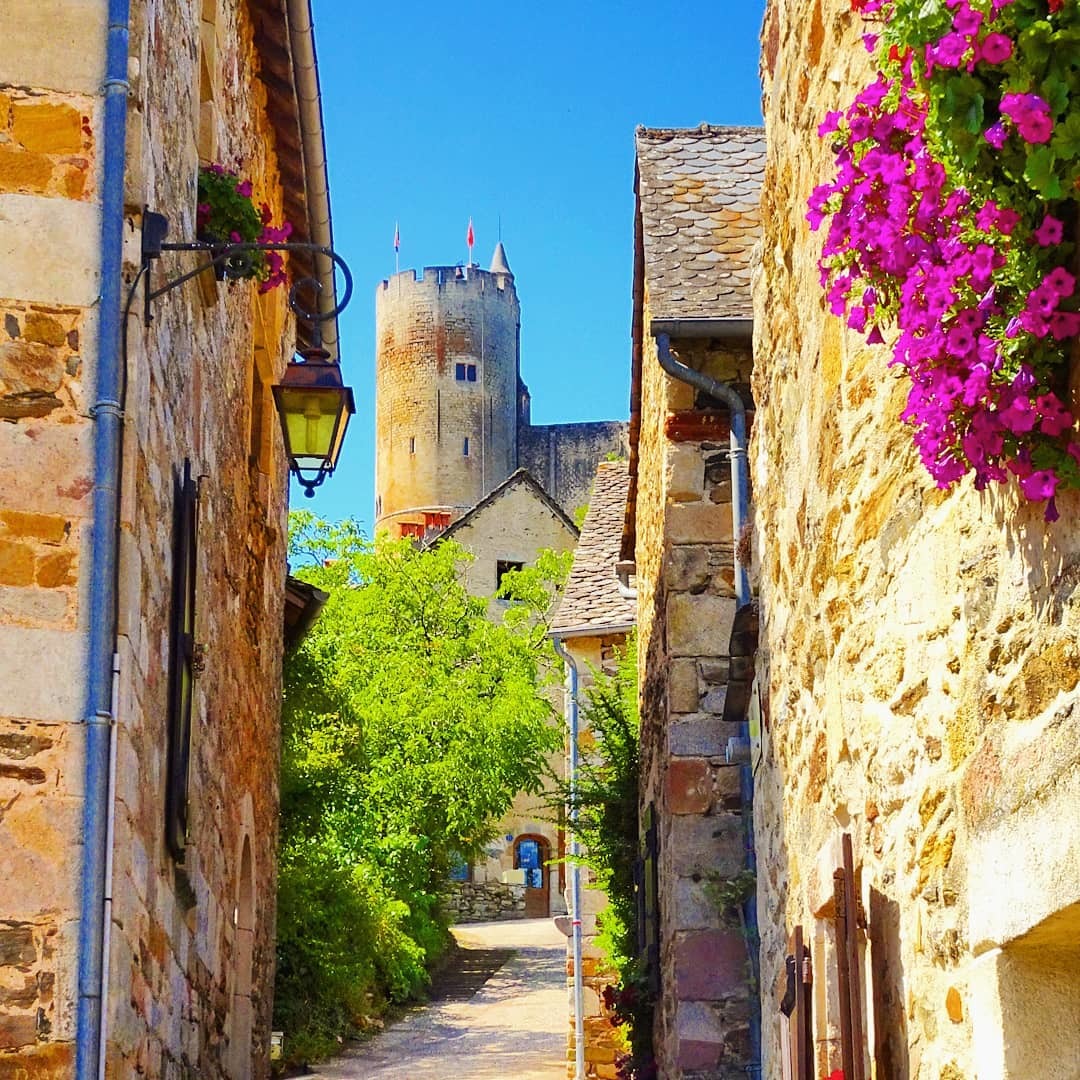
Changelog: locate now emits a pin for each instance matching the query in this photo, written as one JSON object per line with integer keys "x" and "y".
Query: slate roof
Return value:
{"x": 699, "y": 195}
{"x": 591, "y": 600}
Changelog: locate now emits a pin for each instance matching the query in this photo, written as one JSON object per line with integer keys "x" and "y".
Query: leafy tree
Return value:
{"x": 410, "y": 721}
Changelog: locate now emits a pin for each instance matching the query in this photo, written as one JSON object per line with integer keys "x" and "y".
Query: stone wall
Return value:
{"x": 563, "y": 457}
{"x": 686, "y": 606}
{"x": 48, "y": 252}
{"x": 919, "y": 668}
{"x": 198, "y": 388}
{"x": 425, "y": 326}
{"x": 486, "y": 901}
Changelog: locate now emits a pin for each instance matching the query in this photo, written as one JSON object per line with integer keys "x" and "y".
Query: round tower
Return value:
{"x": 446, "y": 392}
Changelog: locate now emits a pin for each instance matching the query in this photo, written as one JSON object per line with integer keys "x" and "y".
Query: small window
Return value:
{"x": 465, "y": 372}
{"x": 182, "y": 662}
{"x": 465, "y": 447}
{"x": 504, "y": 567}
{"x": 412, "y": 444}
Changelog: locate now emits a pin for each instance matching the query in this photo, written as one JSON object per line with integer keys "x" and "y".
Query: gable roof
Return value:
{"x": 522, "y": 477}
{"x": 591, "y": 602}
{"x": 698, "y": 196}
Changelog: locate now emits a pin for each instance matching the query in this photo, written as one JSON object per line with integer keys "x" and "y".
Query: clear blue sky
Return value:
{"x": 436, "y": 113}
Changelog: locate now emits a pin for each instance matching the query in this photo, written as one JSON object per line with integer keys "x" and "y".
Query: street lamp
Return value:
{"x": 314, "y": 406}
{"x": 313, "y": 403}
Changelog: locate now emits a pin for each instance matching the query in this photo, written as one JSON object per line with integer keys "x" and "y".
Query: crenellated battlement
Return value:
{"x": 464, "y": 279}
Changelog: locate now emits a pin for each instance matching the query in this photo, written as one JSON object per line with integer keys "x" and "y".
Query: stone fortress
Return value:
{"x": 452, "y": 414}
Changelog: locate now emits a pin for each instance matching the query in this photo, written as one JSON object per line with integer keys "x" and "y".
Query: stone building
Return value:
{"x": 505, "y": 531}
{"x": 696, "y": 229}
{"x": 452, "y": 414}
{"x": 143, "y": 494}
{"x": 918, "y": 670}
{"x": 593, "y": 620}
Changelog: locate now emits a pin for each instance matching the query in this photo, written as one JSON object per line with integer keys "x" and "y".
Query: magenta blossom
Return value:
{"x": 1030, "y": 114}
{"x": 1050, "y": 231}
{"x": 996, "y": 48}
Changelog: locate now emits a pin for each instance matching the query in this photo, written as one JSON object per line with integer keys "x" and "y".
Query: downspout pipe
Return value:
{"x": 571, "y": 711}
{"x": 740, "y": 474}
{"x": 104, "y": 554}
{"x": 730, "y": 330}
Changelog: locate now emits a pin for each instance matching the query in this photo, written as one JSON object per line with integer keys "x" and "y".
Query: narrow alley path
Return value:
{"x": 511, "y": 1025}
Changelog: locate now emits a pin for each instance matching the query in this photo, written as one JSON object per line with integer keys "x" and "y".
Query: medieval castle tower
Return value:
{"x": 452, "y": 414}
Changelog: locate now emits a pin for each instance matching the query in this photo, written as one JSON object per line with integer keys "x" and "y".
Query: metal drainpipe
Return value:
{"x": 104, "y": 555}
{"x": 575, "y": 852}
{"x": 740, "y": 495}
{"x": 740, "y": 511}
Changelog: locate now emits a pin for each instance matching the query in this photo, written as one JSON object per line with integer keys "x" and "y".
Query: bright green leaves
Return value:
{"x": 410, "y": 721}
{"x": 1040, "y": 172}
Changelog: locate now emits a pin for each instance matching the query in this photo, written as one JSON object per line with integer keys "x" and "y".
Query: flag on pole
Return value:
{"x": 469, "y": 238}
{"x": 397, "y": 237}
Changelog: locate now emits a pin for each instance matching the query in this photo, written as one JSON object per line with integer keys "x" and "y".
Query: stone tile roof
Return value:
{"x": 591, "y": 600}
{"x": 699, "y": 194}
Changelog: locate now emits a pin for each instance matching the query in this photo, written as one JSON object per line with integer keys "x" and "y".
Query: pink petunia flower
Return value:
{"x": 1050, "y": 231}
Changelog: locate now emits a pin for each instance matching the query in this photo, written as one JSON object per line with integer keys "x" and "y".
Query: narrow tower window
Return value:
{"x": 465, "y": 372}
{"x": 465, "y": 447}
{"x": 412, "y": 444}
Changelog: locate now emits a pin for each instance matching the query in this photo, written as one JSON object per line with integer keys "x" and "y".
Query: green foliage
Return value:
{"x": 410, "y": 721}
{"x": 606, "y": 800}
{"x": 729, "y": 894}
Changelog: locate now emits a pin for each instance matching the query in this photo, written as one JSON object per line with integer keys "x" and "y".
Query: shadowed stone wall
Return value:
{"x": 686, "y": 606}
{"x": 198, "y": 389}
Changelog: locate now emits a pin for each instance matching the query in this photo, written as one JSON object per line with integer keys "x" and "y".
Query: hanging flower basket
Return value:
{"x": 226, "y": 215}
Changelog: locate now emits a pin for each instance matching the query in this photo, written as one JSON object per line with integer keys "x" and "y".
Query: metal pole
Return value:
{"x": 571, "y": 712}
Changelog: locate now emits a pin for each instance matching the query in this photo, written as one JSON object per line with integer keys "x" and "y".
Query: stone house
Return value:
{"x": 918, "y": 672}
{"x": 593, "y": 620}
{"x": 696, "y": 228}
{"x": 143, "y": 492}
{"x": 505, "y": 531}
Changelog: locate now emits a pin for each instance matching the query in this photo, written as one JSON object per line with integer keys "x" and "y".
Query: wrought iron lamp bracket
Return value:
{"x": 233, "y": 260}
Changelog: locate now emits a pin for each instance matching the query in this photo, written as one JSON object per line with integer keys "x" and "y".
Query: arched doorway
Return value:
{"x": 242, "y": 1011}
{"x": 531, "y": 854}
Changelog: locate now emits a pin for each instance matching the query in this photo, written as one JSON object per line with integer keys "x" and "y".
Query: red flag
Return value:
{"x": 397, "y": 237}
{"x": 469, "y": 235}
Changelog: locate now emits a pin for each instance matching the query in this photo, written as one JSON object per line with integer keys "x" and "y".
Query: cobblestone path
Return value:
{"x": 501, "y": 1012}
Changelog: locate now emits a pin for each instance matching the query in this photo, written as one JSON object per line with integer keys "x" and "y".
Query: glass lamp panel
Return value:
{"x": 311, "y": 417}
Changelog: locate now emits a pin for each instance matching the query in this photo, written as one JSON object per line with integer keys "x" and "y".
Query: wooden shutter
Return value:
{"x": 848, "y": 921}
{"x": 795, "y": 1006}
{"x": 181, "y": 662}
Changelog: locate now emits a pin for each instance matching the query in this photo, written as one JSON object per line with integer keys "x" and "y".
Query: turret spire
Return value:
{"x": 499, "y": 265}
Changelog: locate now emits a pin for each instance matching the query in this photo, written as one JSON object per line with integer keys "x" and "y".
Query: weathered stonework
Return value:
{"x": 686, "y": 606}
{"x": 444, "y": 439}
{"x": 486, "y": 901}
{"x": 918, "y": 668}
{"x": 191, "y": 955}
